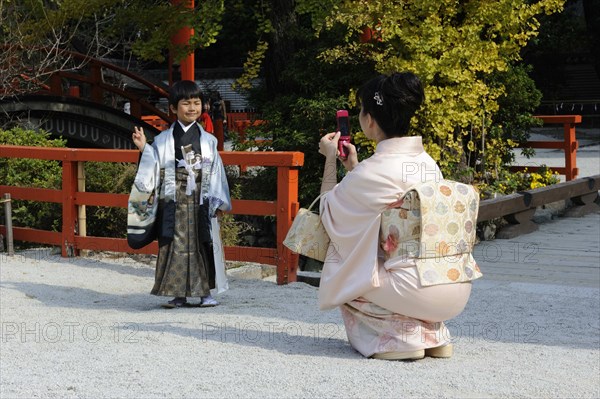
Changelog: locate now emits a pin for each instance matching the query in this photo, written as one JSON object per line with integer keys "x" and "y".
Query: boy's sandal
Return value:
{"x": 193, "y": 305}
{"x": 208, "y": 303}
{"x": 174, "y": 303}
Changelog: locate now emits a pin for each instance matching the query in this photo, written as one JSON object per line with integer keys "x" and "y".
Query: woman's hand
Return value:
{"x": 328, "y": 145}
{"x": 139, "y": 138}
{"x": 352, "y": 160}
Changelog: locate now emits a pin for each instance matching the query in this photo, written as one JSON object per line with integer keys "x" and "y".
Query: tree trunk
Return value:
{"x": 281, "y": 45}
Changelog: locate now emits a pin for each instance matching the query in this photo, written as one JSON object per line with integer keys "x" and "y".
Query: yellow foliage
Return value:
{"x": 453, "y": 47}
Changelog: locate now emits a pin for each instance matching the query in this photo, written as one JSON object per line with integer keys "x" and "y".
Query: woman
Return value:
{"x": 387, "y": 312}
{"x": 205, "y": 119}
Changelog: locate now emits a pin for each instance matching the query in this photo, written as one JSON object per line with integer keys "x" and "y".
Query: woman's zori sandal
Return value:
{"x": 444, "y": 351}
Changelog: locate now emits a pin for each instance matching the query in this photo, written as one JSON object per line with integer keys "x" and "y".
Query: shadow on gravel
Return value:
{"x": 57, "y": 296}
{"x": 288, "y": 338}
{"x": 120, "y": 263}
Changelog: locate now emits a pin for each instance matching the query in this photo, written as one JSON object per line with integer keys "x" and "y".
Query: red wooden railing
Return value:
{"x": 234, "y": 119}
{"x": 284, "y": 208}
{"x": 569, "y": 145}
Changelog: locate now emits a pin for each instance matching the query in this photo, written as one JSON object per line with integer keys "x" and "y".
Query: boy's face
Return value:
{"x": 188, "y": 110}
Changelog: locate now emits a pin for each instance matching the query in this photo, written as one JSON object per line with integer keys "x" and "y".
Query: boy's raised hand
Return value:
{"x": 139, "y": 138}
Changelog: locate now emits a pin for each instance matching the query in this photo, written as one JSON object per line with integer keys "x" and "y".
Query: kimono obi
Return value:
{"x": 434, "y": 225}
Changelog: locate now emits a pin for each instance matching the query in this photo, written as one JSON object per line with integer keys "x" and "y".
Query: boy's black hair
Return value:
{"x": 184, "y": 90}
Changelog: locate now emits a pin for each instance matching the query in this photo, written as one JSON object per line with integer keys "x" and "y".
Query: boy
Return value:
{"x": 193, "y": 195}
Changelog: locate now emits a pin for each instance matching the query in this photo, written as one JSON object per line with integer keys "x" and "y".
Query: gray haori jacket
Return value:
{"x": 161, "y": 155}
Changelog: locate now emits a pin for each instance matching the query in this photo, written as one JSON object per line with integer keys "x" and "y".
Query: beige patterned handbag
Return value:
{"x": 307, "y": 236}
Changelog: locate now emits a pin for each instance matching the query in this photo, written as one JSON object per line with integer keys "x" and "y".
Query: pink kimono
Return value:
{"x": 385, "y": 303}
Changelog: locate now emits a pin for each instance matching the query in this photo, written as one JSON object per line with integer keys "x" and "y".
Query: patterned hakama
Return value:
{"x": 185, "y": 265}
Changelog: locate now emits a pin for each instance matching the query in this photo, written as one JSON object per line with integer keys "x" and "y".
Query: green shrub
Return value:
{"x": 38, "y": 173}
{"x": 231, "y": 226}
{"x": 509, "y": 182}
{"x": 100, "y": 177}
{"x": 108, "y": 177}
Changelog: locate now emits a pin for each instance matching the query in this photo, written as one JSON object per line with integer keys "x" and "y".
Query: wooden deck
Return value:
{"x": 565, "y": 251}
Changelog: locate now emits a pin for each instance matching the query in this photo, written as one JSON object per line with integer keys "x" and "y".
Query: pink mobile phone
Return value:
{"x": 343, "y": 125}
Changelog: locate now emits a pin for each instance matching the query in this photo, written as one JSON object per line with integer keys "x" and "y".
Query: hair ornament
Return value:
{"x": 378, "y": 98}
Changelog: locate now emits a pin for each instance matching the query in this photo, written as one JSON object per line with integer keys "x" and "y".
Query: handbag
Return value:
{"x": 307, "y": 236}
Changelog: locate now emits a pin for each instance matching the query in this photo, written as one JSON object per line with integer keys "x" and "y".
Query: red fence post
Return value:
{"x": 287, "y": 207}
{"x": 571, "y": 145}
{"x": 96, "y": 77}
{"x": 56, "y": 85}
{"x": 69, "y": 209}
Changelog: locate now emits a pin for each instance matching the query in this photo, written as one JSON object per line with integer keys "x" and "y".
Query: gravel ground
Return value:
{"x": 87, "y": 327}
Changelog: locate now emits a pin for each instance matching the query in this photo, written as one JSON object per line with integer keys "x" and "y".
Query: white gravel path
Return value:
{"x": 87, "y": 327}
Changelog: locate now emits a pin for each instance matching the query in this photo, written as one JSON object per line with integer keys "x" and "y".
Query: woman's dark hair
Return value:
{"x": 392, "y": 101}
{"x": 184, "y": 90}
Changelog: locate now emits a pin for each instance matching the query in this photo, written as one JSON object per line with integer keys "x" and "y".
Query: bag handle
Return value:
{"x": 316, "y": 199}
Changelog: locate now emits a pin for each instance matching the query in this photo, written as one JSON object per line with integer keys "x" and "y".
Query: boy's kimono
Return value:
{"x": 385, "y": 305}
{"x": 189, "y": 231}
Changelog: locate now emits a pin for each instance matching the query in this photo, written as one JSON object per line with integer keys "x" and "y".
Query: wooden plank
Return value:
{"x": 101, "y": 199}
{"x": 501, "y": 206}
{"x": 104, "y": 155}
{"x": 560, "y": 145}
{"x": 565, "y": 190}
{"x": 518, "y": 202}
{"x": 112, "y": 244}
{"x": 235, "y": 253}
{"x": 274, "y": 158}
{"x": 253, "y": 207}
{"x": 265, "y": 256}
{"x": 32, "y": 194}
{"x": 240, "y": 207}
{"x": 38, "y": 236}
{"x": 70, "y": 154}
{"x": 15, "y": 151}
{"x": 559, "y": 119}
